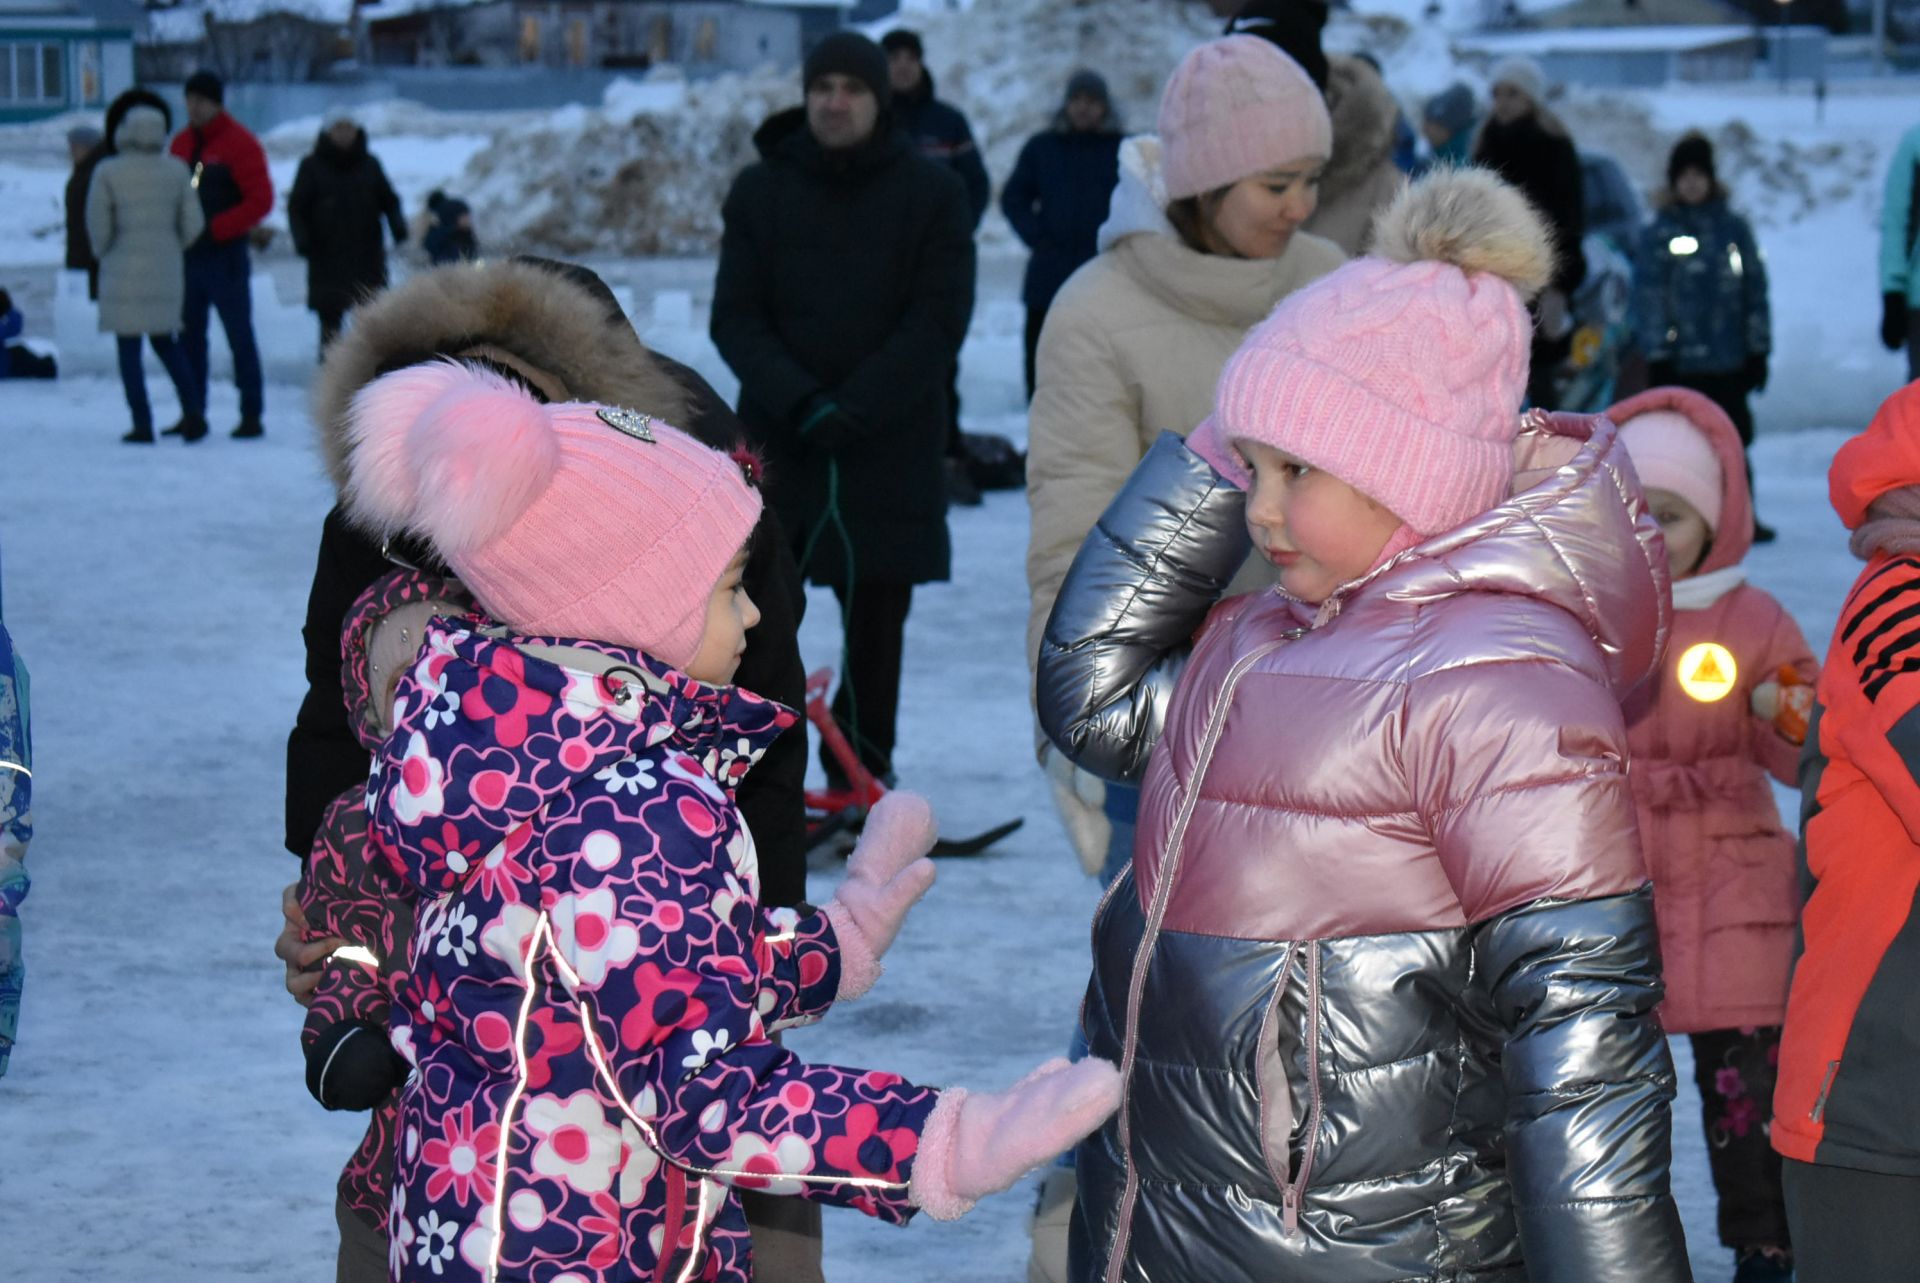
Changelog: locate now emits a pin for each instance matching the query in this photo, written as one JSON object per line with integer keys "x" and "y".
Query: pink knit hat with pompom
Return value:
{"x": 1236, "y": 107}
{"x": 1403, "y": 373}
{"x": 568, "y": 520}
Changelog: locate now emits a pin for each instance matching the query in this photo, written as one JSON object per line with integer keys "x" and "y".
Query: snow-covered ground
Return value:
{"x": 154, "y": 1122}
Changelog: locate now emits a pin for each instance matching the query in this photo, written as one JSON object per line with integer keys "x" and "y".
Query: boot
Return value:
{"x": 190, "y": 428}
{"x": 248, "y": 430}
{"x": 142, "y": 434}
{"x": 1764, "y": 533}
{"x": 1762, "y": 1265}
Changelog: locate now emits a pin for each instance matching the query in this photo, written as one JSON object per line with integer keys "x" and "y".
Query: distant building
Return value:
{"x": 1650, "y": 56}
{"x": 63, "y": 55}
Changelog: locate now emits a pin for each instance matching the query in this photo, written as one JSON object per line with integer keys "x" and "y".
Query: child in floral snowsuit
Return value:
{"x": 591, "y": 987}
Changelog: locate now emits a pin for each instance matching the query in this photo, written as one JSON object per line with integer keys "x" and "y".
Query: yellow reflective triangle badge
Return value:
{"x": 1707, "y": 672}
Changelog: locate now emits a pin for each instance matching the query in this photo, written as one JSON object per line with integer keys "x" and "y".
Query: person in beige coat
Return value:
{"x": 141, "y": 216}
{"x": 1203, "y": 239}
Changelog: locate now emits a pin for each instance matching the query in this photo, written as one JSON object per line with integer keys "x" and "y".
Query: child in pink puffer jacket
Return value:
{"x": 591, "y": 989}
{"x": 1704, "y": 743}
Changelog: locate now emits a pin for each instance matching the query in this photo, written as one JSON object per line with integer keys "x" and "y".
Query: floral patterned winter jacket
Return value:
{"x": 364, "y": 901}
{"x": 592, "y": 984}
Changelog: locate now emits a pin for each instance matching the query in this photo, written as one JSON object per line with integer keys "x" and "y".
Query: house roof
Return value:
{"x": 1658, "y": 39}
{"x": 102, "y": 13}
{"x": 186, "y": 23}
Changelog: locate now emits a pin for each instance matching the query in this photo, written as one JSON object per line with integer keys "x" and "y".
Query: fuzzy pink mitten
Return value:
{"x": 1207, "y": 442}
{"x": 980, "y": 1144}
{"x": 886, "y": 876}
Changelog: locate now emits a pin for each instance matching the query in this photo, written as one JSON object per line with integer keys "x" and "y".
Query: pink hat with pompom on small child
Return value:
{"x": 570, "y": 520}
{"x": 1670, "y": 454}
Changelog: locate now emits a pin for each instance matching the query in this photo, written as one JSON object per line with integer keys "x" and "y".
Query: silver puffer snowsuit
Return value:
{"x": 1382, "y": 975}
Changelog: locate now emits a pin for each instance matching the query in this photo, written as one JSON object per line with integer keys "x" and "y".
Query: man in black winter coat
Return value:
{"x": 938, "y": 129}
{"x": 844, "y": 291}
{"x": 340, "y": 197}
{"x": 1058, "y": 194}
{"x": 1527, "y": 145}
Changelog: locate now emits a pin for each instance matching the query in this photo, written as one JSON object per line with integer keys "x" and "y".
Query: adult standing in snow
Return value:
{"x": 1448, "y": 122}
{"x": 142, "y": 215}
{"x": 16, "y": 827}
{"x": 938, "y": 129}
{"x": 843, "y": 293}
{"x": 340, "y": 198}
{"x": 1529, "y": 146}
{"x": 1135, "y": 343}
{"x": 1360, "y": 176}
{"x": 88, "y": 147}
{"x": 1700, "y": 310}
{"x": 236, "y": 192}
{"x": 1058, "y": 194}
{"x": 1900, "y": 252}
{"x": 555, "y": 328}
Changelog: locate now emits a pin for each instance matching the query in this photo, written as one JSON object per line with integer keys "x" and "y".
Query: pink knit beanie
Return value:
{"x": 1403, "y": 372}
{"x": 1236, "y": 107}
{"x": 1671, "y": 454}
{"x": 565, "y": 520}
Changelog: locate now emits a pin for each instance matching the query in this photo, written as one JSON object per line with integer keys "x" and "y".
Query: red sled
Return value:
{"x": 833, "y": 811}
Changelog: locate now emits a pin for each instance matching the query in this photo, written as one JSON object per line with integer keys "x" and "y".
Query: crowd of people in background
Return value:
{"x": 1294, "y": 337}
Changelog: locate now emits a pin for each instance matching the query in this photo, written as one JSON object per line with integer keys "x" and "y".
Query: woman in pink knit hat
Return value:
{"x": 587, "y": 1008}
{"x": 1382, "y": 977}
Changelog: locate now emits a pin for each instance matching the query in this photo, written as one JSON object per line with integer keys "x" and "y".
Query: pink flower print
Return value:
{"x": 501, "y": 872}
{"x": 681, "y": 767}
{"x": 504, "y": 698}
{"x": 601, "y": 1228}
{"x": 436, "y": 1010}
{"x": 760, "y": 1165}
{"x": 592, "y": 935}
{"x": 1741, "y": 1115}
{"x": 421, "y": 788}
{"x": 666, "y": 1003}
{"x": 1730, "y": 1084}
{"x": 559, "y": 1037}
{"x": 574, "y": 1141}
{"x": 462, "y": 1158}
{"x": 449, "y": 850}
{"x": 866, "y": 1149}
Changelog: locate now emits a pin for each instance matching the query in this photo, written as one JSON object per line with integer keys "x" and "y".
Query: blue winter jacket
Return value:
{"x": 1700, "y": 292}
{"x": 1056, "y": 200}
{"x": 16, "y": 826}
{"x": 1899, "y": 267}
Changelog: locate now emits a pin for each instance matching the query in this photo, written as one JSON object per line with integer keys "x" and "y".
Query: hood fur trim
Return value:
{"x": 1472, "y": 220}
{"x": 545, "y": 320}
{"x": 1364, "y": 112}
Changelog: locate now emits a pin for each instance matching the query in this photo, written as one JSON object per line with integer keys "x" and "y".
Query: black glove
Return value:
{"x": 352, "y": 1066}
{"x": 1661, "y": 374}
{"x": 1756, "y": 371}
{"x": 828, "y": 427}
{"x": 1893, "y": 321}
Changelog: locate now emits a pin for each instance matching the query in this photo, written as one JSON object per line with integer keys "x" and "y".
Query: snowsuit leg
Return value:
{"x": 1851, "y": 1226}
{"x": 363, "y": 1249}
{"x": 16, "y": 827}
{"x": 1735, "y": 1070}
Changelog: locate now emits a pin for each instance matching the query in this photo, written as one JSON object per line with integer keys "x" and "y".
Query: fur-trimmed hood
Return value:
{"x": 1363, "y": 112}
{"x": 548, "y": 321}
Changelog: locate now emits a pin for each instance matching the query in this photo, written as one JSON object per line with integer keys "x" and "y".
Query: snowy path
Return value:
{"x": 154, "y": 1126}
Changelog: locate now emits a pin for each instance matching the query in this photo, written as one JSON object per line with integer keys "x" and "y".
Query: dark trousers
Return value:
{"x": 1729, "y": 391}
{"x": 1913, "y": 346}
{"x": 333, "y": 318}
{"x": 220, "y": 278}
{"x": 1735, "y": 1071}
{"x": 133, "y": 378}
{"x": 1036, "y": 321}
{"x": 1851, "y": 1226}
{"x": 868, "y": 701}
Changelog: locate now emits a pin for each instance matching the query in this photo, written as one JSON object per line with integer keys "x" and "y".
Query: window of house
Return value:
{"x": 32, "y": 71}
{"x": 529, "y": 37}
{"x": 577, "y": 41}
{"x": 706, "y": 38}
{"x": 660, "y": 40}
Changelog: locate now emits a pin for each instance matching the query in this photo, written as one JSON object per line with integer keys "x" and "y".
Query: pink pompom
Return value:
{"x": 454, "y": 453}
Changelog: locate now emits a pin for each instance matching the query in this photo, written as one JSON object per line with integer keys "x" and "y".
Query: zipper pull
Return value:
{"x": 1290, "y": 1209}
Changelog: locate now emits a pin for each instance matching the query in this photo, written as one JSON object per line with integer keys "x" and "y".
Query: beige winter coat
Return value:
{"x": 142, "y": 213}
{"x": 1132, "y": 347}
{"x": 1361, "y": 178}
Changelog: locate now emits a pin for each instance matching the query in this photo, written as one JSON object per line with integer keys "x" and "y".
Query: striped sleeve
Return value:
{"x": 1879, "y": 637}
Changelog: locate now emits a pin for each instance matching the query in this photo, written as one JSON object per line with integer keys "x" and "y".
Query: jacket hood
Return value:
{"x": 1139, "y": 204}
{"x": 326, "y": 149}
{"x": 142, "y": 129}
{"x": 1884, "y": 458}
{"x": 546, "y": 320}
{"x": 1734, "y": 537}
{"x": 490, "y": 727}
{"x": 1363, "y": 112}
{"x": 382, "y": 633}
{"x": 1575, "y": 532}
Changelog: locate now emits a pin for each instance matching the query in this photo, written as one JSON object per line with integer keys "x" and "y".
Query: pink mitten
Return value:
{"x": 975, "y": 1145}
{"x": 887, "y": 874}
{"x": 1207, "y": 442}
